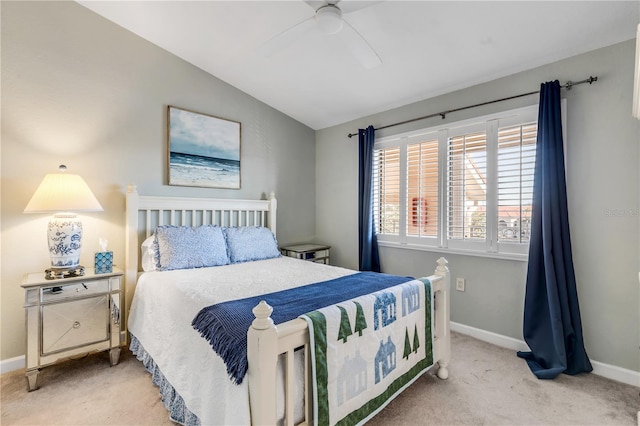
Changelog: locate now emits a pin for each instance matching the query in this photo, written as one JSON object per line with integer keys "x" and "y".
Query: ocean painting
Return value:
{"x": 203, "y": 150}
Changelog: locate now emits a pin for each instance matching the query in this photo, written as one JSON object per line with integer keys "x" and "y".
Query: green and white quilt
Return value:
{"x": 366, "y": 350}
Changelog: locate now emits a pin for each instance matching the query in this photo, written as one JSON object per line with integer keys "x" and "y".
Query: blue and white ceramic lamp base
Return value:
{"x": 64, "y": 235}
{"x": 65, "y": 240}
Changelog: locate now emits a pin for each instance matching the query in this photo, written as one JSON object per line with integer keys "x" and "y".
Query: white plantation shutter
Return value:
{"x": 516, "y": 162}
{"x": 386, "y": 190}
{"x": 422, "y": 189}
{"x": 467, "y": 186}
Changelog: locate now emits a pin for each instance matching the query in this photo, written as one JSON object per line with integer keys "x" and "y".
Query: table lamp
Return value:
{"x": 64, "y": 194}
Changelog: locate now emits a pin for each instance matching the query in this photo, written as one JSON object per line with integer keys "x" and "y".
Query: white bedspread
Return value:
{"x": 165, "y": 303}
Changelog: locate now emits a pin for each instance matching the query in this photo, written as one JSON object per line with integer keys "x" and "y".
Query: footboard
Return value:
{"x": 267, "y": 342}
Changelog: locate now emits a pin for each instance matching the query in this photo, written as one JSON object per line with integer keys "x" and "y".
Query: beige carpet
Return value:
{"x": 487, "y": 386}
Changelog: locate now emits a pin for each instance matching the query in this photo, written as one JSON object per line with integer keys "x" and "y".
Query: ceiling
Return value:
{"x": 427, "y": 48}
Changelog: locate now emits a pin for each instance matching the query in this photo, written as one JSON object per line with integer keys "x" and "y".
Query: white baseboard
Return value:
{"x": 618, "y": 374}
{"x": 612, "y": 372}
{"x": 490, "y": 337}
{"x": 12, "y": 364}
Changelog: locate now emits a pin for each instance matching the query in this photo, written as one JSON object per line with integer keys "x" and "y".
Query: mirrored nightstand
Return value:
{"x": 71, "y": 316}
{"x": 318, "y": 253}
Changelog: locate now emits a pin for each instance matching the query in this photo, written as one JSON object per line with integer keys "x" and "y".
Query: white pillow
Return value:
{"x": 185, "y": 247}
{"x": 247, "y": 243}
{"x": 148, "y": 253}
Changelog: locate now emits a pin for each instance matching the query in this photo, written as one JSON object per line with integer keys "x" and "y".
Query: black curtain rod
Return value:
{"x": 568, "y": 85}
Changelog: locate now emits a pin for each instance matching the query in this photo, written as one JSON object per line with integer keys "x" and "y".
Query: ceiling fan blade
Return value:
{"x": 286, "y": 38}
{"x": 359, "y": 47}
{"x": 349, "y": 6}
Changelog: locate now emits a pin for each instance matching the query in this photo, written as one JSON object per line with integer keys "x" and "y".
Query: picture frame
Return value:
{"x": 204, "y": 150}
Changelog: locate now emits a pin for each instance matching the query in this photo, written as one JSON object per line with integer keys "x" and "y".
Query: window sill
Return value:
{"x": 445, "y": 250}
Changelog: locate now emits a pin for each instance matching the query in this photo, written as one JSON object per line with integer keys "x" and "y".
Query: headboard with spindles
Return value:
{"x": 145, "y": 213}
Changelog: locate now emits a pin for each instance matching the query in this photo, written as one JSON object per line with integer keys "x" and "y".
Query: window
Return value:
{"x": 386, "y": 183}
{"x": 467, "y": 187}
{"x": 422, "y": 189}
{"x": 516, "y": 161}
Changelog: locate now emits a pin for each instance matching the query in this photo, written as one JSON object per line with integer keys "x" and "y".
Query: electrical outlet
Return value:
{"x": 460, "y": 284}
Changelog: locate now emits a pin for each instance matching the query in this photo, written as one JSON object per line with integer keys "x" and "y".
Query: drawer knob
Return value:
{"x": 76, "y": 324}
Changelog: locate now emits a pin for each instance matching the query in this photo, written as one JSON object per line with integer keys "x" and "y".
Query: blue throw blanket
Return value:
{"x": 224, "y": 325}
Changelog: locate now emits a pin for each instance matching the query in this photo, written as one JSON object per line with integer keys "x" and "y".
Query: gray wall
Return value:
{"x": 602, "y": 178}
{"x": 80, "y": 90}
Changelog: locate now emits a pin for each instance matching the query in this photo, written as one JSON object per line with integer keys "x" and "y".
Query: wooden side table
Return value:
{"x": 71, "y": 316}
{"x": 318, "y": 253}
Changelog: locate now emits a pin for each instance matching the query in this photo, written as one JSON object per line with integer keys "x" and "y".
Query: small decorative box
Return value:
{"x": 104, "y": 262}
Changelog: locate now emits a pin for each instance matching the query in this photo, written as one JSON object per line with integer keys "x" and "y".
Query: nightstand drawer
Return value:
{"x": 75, "y": 323}
{"x": 74, "y": 290}
{"x": 313, "y": 255}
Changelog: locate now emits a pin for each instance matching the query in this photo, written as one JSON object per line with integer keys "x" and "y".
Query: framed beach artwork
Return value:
{"x": 204, "y": 150}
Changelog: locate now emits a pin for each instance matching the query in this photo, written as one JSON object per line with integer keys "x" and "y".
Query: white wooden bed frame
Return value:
{"x": 266, "y": 341}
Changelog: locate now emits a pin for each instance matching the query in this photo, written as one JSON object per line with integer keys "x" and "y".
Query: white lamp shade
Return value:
{"x": 62, "y": 192}
{"x": 636, "y": 82}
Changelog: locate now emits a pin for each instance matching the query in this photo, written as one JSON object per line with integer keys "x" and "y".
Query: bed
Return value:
{"x": 161, "y": 305}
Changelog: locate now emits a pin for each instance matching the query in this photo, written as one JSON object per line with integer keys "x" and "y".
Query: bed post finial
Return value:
{"x": 131, "y": 188}
{"x": 262, "y": 312}
{"x": 442, "y": 265}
